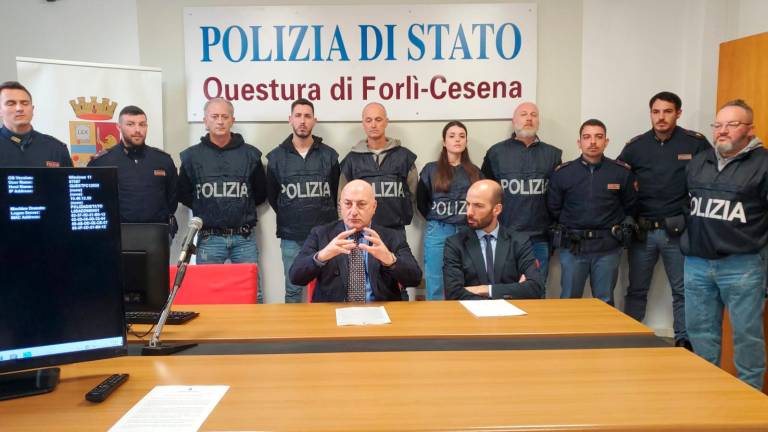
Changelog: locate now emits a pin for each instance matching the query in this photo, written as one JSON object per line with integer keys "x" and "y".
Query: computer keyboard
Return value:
{"x": 149, "y": 317}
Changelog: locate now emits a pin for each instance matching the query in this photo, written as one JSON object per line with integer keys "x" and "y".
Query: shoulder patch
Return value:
{"x": 562, "y": 165}
{"x": 694, "y": 134}
{"x": 635, "y": 138}
{"x": 621, "y": 164}
{"x": 99, "y": 154}
{"x": 160, "y": 151}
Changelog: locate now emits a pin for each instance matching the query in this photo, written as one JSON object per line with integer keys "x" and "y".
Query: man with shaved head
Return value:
{"x": 523, "y": 165}
{"x": 489, "y": 260}
{"x": 355, "y": 260}
{"x": 387, "y": 166}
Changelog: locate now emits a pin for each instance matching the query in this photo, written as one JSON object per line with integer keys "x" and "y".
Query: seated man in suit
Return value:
{"x": 489, "y": 260}
{"x": 353, "y": 260}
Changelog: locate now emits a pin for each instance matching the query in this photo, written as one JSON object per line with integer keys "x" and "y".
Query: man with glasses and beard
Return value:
{"x": 725, "y": 243}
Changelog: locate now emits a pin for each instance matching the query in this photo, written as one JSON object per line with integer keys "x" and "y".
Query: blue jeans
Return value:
{"x": 216, "y": 249}
{"x": 434, "y": 243}
{"x": 541, "y": 253}
{"x": 601, "y": 268}
{"x": 289, "y": 249}
{"x": 642, "y": 260}
{"x": 735, "y": 282}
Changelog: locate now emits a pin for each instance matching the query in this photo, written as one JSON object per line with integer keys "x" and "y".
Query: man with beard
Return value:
{"x": 146, "y": 176}
{"x": 725, "y": 244}
{"x": 523, "y": 165}
{"x": 658, "y": 158}
{"x": 592, "y": 198}
{"x": 302, "y": 183}
{"x": 489, "y": 260}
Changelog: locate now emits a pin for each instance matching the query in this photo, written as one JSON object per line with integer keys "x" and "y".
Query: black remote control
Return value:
{"x": 101, "y": 391}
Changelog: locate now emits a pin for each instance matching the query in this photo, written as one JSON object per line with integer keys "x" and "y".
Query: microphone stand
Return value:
{"x": 155, "y": 347}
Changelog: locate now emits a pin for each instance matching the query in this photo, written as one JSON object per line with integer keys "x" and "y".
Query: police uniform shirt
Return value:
{"x": 591, "y": 196}
{"x": 729, "y": 208}
{"x": 302, "y": 190}
{"x": 32, "y": 149}
{"x": 448, "y": 207}
{"x": 524, "y": 173}
{"x": 146, "y": 181}
{"x": 659, "y": 167}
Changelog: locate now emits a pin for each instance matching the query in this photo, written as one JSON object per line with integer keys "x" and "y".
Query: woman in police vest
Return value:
{"x": 441, "y": 198}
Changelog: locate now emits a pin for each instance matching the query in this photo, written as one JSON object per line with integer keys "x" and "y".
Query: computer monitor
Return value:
{"x": 145, "y": 258}
{"x": 61, "y": 296}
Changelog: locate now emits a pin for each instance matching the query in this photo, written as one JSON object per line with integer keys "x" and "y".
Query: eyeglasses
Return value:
{"x": 729, "y": 125}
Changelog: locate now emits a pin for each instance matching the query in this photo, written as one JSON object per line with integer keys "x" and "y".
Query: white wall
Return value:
{"x": 750, "y": 18}
{"x": 102, "y": 31}
{"x": 597, "y": 58}
{"x": 632, "y": 50}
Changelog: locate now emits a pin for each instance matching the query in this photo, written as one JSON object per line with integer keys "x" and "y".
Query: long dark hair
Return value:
{"x": 444, "y": 174}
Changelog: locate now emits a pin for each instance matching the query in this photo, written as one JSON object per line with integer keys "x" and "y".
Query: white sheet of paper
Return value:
{"x": 362, "y": 316}
{"x": 492, "y": 308}
{"x": 173, "y": 408}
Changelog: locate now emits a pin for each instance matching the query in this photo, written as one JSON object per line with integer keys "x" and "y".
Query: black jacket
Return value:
{"x": 302, "y": 190}
{"x": 222, "y": 186}
{"x": 447, "y": 207}
{"x": 660, "y": 170}
{"x": 32, "y": 149}
{"x": 524, "y": 174}
{"x": 332, "y": 278}
{"x": 729, "y": 208}
{"x": 463, "y": 265}
{"x": 146, "y": 179}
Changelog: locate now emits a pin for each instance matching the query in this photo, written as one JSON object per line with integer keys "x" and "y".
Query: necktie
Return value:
{"x": 356, "y": 280}
{"x": 489, "y": 257}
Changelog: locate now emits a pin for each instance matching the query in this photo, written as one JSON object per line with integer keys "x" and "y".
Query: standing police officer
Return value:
{"x": 387, "y": 166}
{"x": 222, "y": 180}
{"x": 658, "y": 159}
{"x": 726, "y": 243}
{"x": 302, "y": 183}
{"x": 146, "y": 176}
{"x": 20, "y": 145}
{"x": 523, "y": 166}
{"x": 592, "y": 198}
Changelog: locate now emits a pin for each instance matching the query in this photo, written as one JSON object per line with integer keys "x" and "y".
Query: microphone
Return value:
{"x": 187, "y": 246}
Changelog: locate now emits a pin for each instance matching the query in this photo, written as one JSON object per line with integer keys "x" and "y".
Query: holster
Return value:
{"x": 675, "y": 225}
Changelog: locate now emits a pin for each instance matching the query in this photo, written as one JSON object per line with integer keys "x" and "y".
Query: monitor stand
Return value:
{"x": 28, "y": 383}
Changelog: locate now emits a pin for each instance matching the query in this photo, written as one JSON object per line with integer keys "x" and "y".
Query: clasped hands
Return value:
{"x": 341, "y": 244}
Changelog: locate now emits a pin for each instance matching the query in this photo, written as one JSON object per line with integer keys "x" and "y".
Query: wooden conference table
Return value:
{"x": 281, "y": 328}
{"x": 662, "y": 389}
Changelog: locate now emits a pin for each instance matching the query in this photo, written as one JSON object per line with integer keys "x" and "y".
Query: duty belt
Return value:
{"x": 652, "y": 224}
{"x": 244, "y": 231}
{"x": 589, "y": 234}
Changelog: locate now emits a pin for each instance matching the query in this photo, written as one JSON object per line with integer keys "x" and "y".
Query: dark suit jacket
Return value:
{"x": 463, "y": 265}
{"x": 332, "y": 278}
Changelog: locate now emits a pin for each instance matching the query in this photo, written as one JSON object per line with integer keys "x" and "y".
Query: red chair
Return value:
{"x": 217, "y": 284}
{"x": 311, "y": 290}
